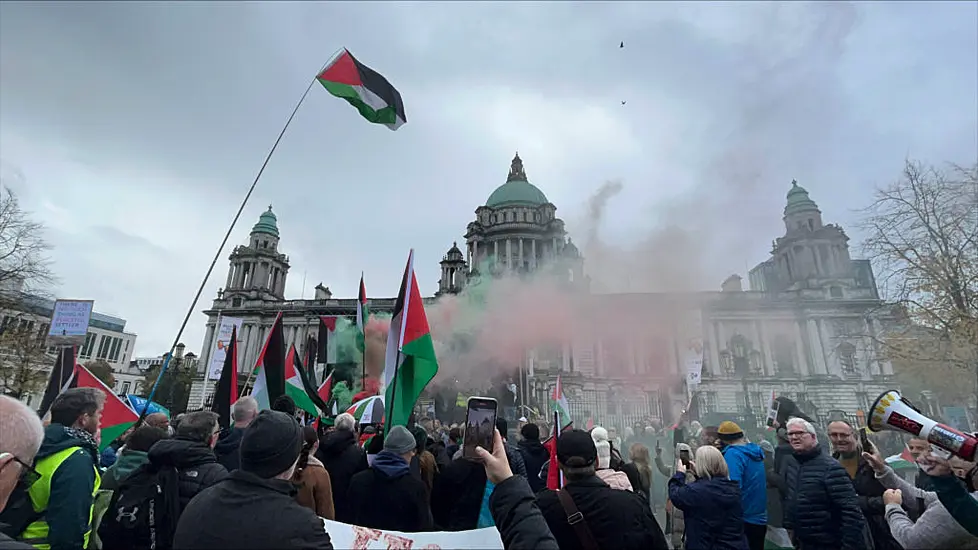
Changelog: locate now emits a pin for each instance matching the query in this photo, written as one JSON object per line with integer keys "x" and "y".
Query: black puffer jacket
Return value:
{"x": 535, "y": 455}
{"x": 227, "y": 448}
{"x": 196, "y": 465}
{"x": 342, "y": 458}
{"x": 822, "y": 507}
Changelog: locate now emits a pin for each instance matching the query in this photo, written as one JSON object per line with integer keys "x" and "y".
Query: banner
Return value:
{"x": 691, "y": 347}
{"x": 220, "y": 345}
{"x": 69, "y": 322}
{"x": 355, "y": 537}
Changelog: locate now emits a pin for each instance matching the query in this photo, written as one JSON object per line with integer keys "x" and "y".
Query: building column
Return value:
{"x": 553, "y": 250}
{"x": 208, "y": 350}
{"x": 495, "y": 250}
{"x": 817, "y": 351}
{"x": 714, "y": 367}
{"x": 800, "y": 354}
{"x": 509, "y": 253}
{"x": 565, "y": 357}
{"x": 230, "y": 277}
{"x": 522, "y": 261}
{"x": 533, "y": 251}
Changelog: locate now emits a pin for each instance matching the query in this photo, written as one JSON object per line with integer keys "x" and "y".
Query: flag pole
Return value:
{"x": 227, "y": 235}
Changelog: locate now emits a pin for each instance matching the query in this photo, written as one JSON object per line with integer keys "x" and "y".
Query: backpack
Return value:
{"x": 143, "y": 512}
{"x": 19, "y": 512}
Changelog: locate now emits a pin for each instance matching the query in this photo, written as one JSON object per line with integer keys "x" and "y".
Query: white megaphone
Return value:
{"x": 891, "y": 411}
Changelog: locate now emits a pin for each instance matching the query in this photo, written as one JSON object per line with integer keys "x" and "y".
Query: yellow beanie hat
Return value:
{"x": 729, "y": 430}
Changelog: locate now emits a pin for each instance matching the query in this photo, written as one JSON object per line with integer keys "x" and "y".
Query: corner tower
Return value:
{"x": 258, "y": 270}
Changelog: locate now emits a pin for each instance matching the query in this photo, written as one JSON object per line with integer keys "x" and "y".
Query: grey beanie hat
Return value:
{"x": 766, "y": 446}
{"x": 400, "y": 441}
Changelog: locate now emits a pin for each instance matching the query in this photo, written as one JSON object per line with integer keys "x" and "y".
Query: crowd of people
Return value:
{"x": 267, "y": 481}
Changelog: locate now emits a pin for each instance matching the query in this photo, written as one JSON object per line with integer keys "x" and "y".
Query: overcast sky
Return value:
{"x": 132, "y": 130}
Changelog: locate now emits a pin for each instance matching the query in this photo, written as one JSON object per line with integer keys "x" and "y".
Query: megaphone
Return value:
{"x": 892, "y": 411}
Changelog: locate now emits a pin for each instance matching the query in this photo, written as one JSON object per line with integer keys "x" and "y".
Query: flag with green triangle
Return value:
{"x": 363, "y": 88}
{"x": 117, "y": 417}
{"x": 270, "y": 377}
{"x": 410, "y": 362}
{"x": 362, "y": 317}
{"x": 300, "y": 387}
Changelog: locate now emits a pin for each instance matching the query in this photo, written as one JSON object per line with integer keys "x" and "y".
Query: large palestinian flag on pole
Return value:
{"x": 365, "y": 89}
{"x": 300, "y": 387}
{"x": 410, "y": 362}
{"x": 117, "y": 417}
{"x": 270, "y": 379}
{"x": 64, "y": 368}
{"x": 226, "y": 392}
{"x": 560, "y": 405}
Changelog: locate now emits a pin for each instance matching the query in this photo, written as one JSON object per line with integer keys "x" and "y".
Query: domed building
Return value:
{"x": 517, "y": 230}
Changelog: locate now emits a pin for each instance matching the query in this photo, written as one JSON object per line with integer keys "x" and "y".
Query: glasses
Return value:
{"x": 27, "y": 472}
{"x": 797, "y": 434}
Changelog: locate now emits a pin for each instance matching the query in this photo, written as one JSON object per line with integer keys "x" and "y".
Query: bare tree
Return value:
{"x": 25, "y": 269}
{"x": 24, "y": 366}
{"x": 922, "y": 234}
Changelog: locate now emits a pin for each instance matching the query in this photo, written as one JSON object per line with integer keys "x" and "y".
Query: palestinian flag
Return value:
{"x": 326, "y": 354}
{"x": 117, "y": 417}
{"x": 365, "y": 89}
{"x": 560, "y": 405}
{"x": 270, "y": 380}
{"x": 362, "y": 316}
{"x": 410, "y": 363}
{"x": 61, "y": 373}
{"x": 226, "y": 392}
{"x": 299, "y": 387}
{"x": 555, "y": 478}
{"x": 325, "y": 391}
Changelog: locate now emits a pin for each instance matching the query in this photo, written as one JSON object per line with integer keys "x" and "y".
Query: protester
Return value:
{"x": 822, "y": 508}
{"x": 675, "y": 523}
{"x": 847, "y": 449}
{"x": 21, "y": 434}
{"x": 343, "y": 458}
{"x": 423, "y": 463}
{"x": 745, "y": 461}
{"x": 134, "y": 455}
{"x": 458, "y": 497}
{"x": 614, "y": 479}
{"x": 712, "y": 507}
{"x": 534, "y": 454}
{"x": 243, "y": 412}
{"x": 776, "y": 488}
{"x": 158, "y": 420}
{"x": 285, "y": 404}
{"x": 68, "y": 463}
{"x": 253, "y": 507}
{"x": 615, "y": 519}
{"x": 311, "y": 479}
{"x": 953, "y": 494}
{"x": 454, "y": 441}
{"x": 387, "y": 496}
{"x": 512, "y": 453}
{"x": 514, "y": 510}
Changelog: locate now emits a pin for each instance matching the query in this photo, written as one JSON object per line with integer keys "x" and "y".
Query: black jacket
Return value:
{"x": 386, "y": 496}
{"x": 518, "y": 518}
{"x": 244, "y": 512}
{"x": 456, "y": 498}
{"x": 618, "y": 519}
{"x": 197, "y": 467}
{"x": 712, "y": 511}
{"x": 822, "y": 507}
{"x": 870, "y": 491}
{"x": 535, "y": 455}
{"x": 342, "y": 458}
{"x": 227, "y": 448}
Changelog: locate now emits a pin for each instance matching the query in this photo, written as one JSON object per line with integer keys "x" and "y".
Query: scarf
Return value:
{"x": 87, "y": 439}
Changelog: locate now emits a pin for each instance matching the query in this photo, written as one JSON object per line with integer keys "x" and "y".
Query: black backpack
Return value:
{"x": 143, "y": 512}
{"x": 19, "y": 512}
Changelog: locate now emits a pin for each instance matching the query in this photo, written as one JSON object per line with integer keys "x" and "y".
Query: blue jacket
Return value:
{"x": 746, "y": 464}
{"x": 712, "y": 511}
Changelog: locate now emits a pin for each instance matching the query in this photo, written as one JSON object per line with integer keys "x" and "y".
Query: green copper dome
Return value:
{"x": 798, "y": 200}
{"x": 267, "y": 223}
{"x": 517, "y": 190}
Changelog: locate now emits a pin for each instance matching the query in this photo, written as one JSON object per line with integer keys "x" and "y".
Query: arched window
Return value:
{"x": 847, "y": 357}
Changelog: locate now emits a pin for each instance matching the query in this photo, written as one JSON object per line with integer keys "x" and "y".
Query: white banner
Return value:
{"x": 691, "y": 347}
{"x": 69, "y": 322}
{"x": 221, "y": 341}
{"x": 355, "y": 537}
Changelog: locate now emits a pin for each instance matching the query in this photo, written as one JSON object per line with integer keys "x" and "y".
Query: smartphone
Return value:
{"x": 772, "y": 414}
{"x": 480, "y": 424}
{"x": 864, "y": 441}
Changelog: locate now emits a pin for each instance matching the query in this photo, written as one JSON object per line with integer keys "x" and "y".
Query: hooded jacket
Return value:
{"x": 342, "y": 458}
{"x": 226, "y": 449}
{"x": 387, "y": 496}
{"x": 712, "y": 511}
{"x": 125, "y": 464}
{"x": 196, "y": 464}
{"x": 746, "y": 464}
{"x": 66, "y": 490}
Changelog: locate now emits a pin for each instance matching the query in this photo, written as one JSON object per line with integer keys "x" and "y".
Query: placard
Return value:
{"x": 344, "y": 535}
{"x": 69, "y": 322}
{"x": 221, "y": 341}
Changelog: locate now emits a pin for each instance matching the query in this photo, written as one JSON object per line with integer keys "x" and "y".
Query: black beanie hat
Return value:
{"x": 270, "y": 444}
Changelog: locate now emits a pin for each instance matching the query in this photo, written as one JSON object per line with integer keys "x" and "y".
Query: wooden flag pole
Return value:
{"x": 227, "y": 235}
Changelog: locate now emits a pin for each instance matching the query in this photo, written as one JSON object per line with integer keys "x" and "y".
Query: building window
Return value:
{"x": 835, "y": 292}
{"x": 847, "y": 357}
{"x": 114, "y": 351}
{"x": 125, "y": 387}
{"x": 86, "y": 350}
{"x": 784, "y": 354}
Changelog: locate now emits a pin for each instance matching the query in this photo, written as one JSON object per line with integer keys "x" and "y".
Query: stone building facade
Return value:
{"x": 805, "y": 328}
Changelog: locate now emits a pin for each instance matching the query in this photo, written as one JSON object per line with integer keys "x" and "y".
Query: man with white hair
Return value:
{"x": 343, "y": 458}
{"x": 822, "y": 509}
{"x": 243, "y": 412}
{"x": 21, "y": 434}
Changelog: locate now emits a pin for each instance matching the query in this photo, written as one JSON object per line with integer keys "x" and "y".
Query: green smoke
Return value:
{"x": 343, "y": 396}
